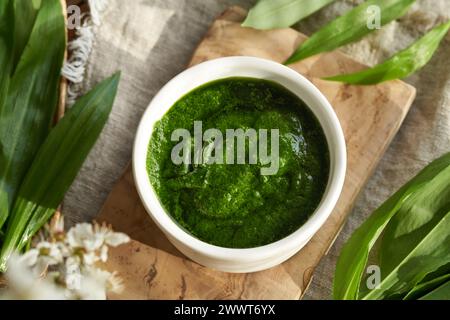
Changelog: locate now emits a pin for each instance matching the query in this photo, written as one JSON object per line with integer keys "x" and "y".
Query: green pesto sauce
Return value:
{"x": 235, "y": 206}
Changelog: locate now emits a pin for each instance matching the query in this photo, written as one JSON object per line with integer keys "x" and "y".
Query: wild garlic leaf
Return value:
{"x": 56, "y": 165}
{"x": 416, "y": 218}
{"x": 6, "y": 40}
{"x": 6, "y": 58}
{"x": 273, "y": 14}
{"x": 354, "y": 255}
{"x": 6, "y": 50}
{"x": 429, "y": 255}
{"x": 426, "y": 287}
{"x": 25, "y": 13}
{"x": 27, "y": 111}
{"x": 402, "y": 64}
{"x": 350, "y": 27}
{"x": 440, "y": 293}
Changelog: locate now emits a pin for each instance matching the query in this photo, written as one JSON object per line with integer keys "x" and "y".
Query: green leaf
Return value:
{"x": 4, "y": 5}
{"x": 430, "y": 254}
{"x": 441, "y": 293}
{"x": 6, "y": 63}
{"x": 25, "y": 12}
{"x": 426, "y": 287}
{"x": 402, "y": 64}
{"x": 350, "y": 27}
{"x": 354, "y": 255}
{"x": 17, "y": 19}
{"x": 32, "y": 95}
{"x": 417, "y": 217}
{"x": 6, "y": 43}
{"x": 57, "y": 164}
{"x": 272, "y": 14}
{"x": 6, "y": 57}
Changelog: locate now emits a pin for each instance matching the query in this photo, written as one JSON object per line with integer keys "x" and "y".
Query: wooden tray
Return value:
{"x": 370, "y": 116}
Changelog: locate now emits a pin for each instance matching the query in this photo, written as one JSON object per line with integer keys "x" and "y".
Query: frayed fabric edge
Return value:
{"x": 80, "y": 49}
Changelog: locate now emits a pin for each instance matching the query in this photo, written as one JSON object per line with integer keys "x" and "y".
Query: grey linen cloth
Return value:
{"x": 151, "y": 41}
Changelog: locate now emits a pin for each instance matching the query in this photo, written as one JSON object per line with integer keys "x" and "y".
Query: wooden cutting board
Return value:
{"x": 370, "y": 117}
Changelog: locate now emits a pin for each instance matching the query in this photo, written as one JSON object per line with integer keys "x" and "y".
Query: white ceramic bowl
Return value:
{"x": 252, "y": 259}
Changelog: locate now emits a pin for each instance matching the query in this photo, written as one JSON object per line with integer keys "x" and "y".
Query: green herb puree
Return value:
{"x": 235, "y": 206}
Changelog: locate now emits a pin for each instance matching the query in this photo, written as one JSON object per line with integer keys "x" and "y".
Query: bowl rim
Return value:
{"x": 337, "y": 151}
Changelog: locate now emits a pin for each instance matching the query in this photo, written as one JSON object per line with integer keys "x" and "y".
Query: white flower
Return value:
{"x": 104, "y": 254}
{"x": 115, "y": 283}
{"x": 30, "y": 258}
{"x": 64, "y": 267}
{"x": 90, "y": 258}
{"x": 51, "y": 252}
{"x": 37, "y": 264}
{"x": 72, "y": 273}
{"x": 57, "y": 225}
{"x": 44, "y": 255}
{"x": 83, "y": 236}
{"x": 93, "y": 284}
{"x": 110, "y": 237}
{"x": 22, "y": 283}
